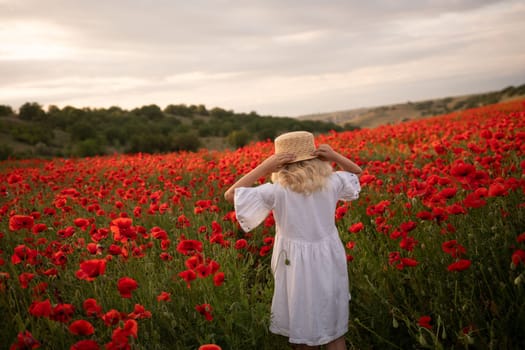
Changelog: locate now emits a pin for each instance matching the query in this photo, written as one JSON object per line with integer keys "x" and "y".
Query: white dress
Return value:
{"x": 311, "y": 295}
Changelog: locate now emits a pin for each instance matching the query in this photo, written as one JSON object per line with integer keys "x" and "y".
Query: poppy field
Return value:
{"x": 142, "y": 252}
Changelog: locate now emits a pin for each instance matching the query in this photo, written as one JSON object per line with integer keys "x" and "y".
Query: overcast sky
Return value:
{"x": 275, "y": 57}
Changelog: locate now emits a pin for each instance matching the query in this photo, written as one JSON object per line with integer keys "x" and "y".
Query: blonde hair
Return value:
{"x": 305, "y": 177}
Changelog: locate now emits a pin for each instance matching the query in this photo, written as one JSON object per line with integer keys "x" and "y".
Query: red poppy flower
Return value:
{"x": 40, "y": 308}
{"x": 37, "y": 228}
{"x": 408, "y": 226}
{"x": 81, "y": 327}
{"x": 91, "y": 307}
{"x": 518, "y": 256}
{"x": 265, "y": 250}
{"x": 453, "y": 248}
{"x": 90, "y": 269}
{"x": 269, "y": 221}
{"x": 94, "y": 248}
{"x": 165, "y": 244}
{"x": 214, "y": 266}
{"x": 356, "y": 227}
{"x": 123, "y": 230}
{"x": 377, "y": 209}
{"x": 193, "y": 261}
{"x": 85, "y": 345}
{"x": 165, "y": 256}
{"x": 462, "y": 169}
{"x": 424, "y": 321}
{"x": 218, "y": 279}
{"x": 340, "y": 212}
{"x": 188, "y": 276}
{"x": 409, "y": 262}
{"x": 218, "y": 238}
{"x": 497, "y": 189}
{"x": 66, "y": 232}
{"x": 21, "y": 253}
{"x": 216, "y": 227}
{"x": 130, "y": 329}
{"x": 81, "y": 223}
{"x": 164, "y": 296}
{"x": 19, "y": 222}
{"x": 393, "y": 257}
{"x": 408, "y": 243}
{"x": 62, "y": 313}
{"x": 119, "y": 337}
{"x": 424, "y": 215}
{"x": 241, "y": 244}
{"x": 115, "y": 249}
{"x": 24, "y": 278}
{"x": 112, "y": 317}
{"x": 159, "y": 233}
{"x": 25, "y": 341}
{"x": 448, "y": 192}
{"x": 459, "y": 265}
{"x": 126, "y": 285}
{"x": 189, "y": 247}
{"x": 40, "y": 289}
{"x": 139, "y": 311}
{"x": 486, "y": 134}
{"x": 210, "y": 347}
{"x": 183, "y": 221}
{"x": 366, "y": 179}
{"x": 474, "y": 200}
{"x": 205, "y": 310}
{"x": 202, "y": 270}
{"x": 456, "y": 209}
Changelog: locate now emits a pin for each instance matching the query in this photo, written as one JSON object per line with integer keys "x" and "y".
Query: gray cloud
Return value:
{"x": 275, "y": 57}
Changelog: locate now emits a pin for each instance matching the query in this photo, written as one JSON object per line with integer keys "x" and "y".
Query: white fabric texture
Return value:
{"x": 311, "y": 295}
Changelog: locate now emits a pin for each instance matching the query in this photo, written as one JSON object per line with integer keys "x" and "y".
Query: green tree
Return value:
{"x": 267, "y": 134}
{"x": 179, "y": 110}
{"x": 6, "y": 111}
{"x": 30, "y": 133}
{"x": 152, "y": 112}
{"x": 115, "y": 135}
{"x": 82, "y": 130}
{"x": 220, "y": 113}
{"x": 88, "y": 148}
{"x": 188, "y": 141}
{"x": 239, "y": 138}
{"x": 199, "y": 110}
{"x": 5, "y": 151}
{"x": 31, "y": 111}
{"x": 149, "y": 143}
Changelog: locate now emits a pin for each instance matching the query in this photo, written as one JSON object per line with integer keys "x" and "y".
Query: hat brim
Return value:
{"x": 301, "y": 158}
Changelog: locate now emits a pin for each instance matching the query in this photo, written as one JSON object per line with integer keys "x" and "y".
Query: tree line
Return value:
{"x": 33, "y": 131}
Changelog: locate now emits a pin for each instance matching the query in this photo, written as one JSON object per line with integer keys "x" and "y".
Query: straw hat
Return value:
{"x": 299, "y": 143}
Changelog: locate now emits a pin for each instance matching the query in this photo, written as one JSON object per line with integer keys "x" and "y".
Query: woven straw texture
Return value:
{"x": 300, "y": 143}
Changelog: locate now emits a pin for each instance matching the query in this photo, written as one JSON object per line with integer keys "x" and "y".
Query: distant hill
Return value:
{"x": 395, "y": 113}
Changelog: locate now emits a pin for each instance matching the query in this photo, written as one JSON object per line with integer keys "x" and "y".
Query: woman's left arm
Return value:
{"x": 268, "y": 166}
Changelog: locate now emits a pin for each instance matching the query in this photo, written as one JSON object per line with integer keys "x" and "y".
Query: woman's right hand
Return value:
{"x": 326, "y": 153}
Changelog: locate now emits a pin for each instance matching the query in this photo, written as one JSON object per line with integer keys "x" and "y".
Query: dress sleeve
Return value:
{"x": 348, "y": 186}
{"x": 252, "y": 205}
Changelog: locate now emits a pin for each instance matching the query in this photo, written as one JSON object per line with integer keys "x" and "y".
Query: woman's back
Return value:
{"x": 305, "y": 217}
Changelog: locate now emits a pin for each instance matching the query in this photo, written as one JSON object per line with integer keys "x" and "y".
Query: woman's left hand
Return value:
{"x": 276, "y": 161}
